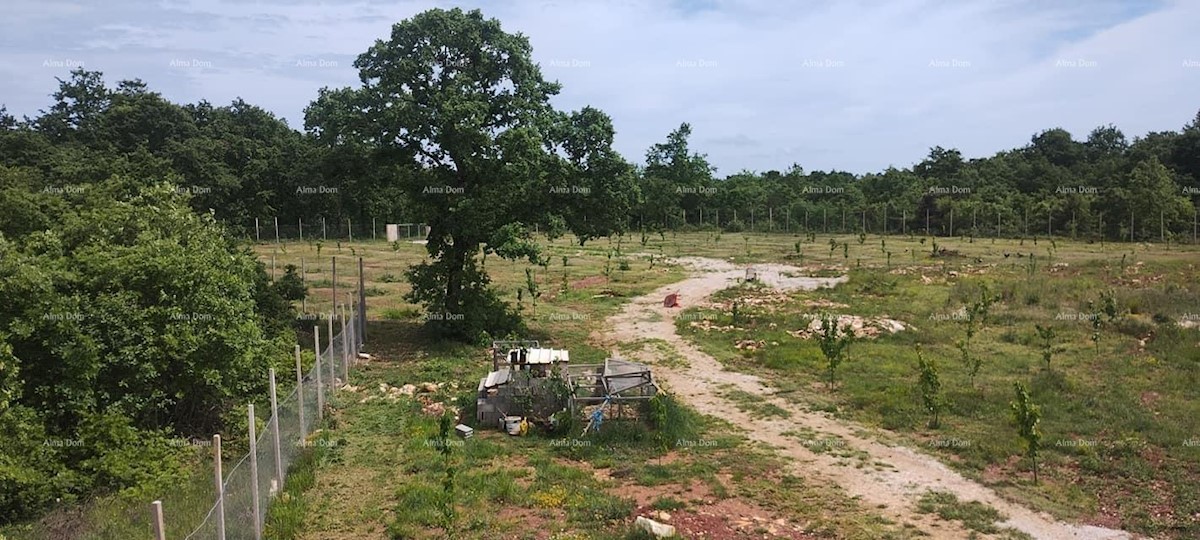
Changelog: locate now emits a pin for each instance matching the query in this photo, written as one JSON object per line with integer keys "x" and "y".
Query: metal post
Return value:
{"x": 333, "y": 296}
{"x": 300, "y": 227}
{"x": 220, "y": 487}
{"x": 275, "y": 431}
{"x": 255, "y": 505}
{"x": 160, "y": 530}
{"x": 257, "y": 233}
{"x": 951, "y": 220}
{"x": 349, "y": 229}
{"x": 276, "y": 230}
{"x": 300, "y": 390}
{"x": 317, "y": 370}
{"x": 372, "y": 228}
{"x": 323, "y": 237}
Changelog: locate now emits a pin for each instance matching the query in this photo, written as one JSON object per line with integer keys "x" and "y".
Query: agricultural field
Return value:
{"x": 766, "y": 436}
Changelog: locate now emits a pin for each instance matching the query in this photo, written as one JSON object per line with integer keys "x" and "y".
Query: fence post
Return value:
{"x": 303, "y": 281}
{"x": 332, "y": 312}
{"x": 317, "y": 369}
{"x": 300, "y": 389}
{"x": 277, "y": 230}
{"x": 349, "y": 229}
{"x": 323, "y": 237}
{"x": 220, "y": 487}
{"x": 160, "y": 530}
{"x": 255, "y": 506}
{"x": 333, "y": 296}
{"x": 372, "y": 228}
{"x": 345, "y": 353}
{"x": 362, "y": 306}
{"x": 300, "y": 225}
{"x": 257, "y": 234}
{"x": 272, "y": 268}
{"x": 275, "y": 434}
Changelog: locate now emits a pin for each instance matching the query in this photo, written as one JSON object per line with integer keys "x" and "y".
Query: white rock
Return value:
{"x": 653, "y": 527}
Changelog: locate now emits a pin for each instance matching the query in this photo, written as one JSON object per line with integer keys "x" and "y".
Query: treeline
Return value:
{"x": 1104, "y": 186}
{"x": 241, "y": 163}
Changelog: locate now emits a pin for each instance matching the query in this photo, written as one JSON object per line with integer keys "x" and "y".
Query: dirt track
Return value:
{"x": 894, "y": 476}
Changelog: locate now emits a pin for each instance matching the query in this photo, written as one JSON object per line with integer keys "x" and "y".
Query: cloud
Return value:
{"x": 851, "y": 86}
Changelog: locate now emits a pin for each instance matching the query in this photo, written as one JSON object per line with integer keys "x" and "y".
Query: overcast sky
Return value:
{"x": 854, "y": 86}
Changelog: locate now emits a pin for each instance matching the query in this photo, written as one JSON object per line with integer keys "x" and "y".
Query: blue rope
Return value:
{"x": 598, "y": 414}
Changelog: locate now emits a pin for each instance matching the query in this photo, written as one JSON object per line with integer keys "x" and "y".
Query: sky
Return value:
{"x": 830, "y": 85}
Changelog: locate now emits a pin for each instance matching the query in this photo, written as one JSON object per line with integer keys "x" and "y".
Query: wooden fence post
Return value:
{"x": 300, "y": 389}
{"x": 275, "y": 434}
{"x": 331, "y": 351}
{"x": 220, "y": 487}
{"x": 345, "y": 353}
{"x": 160, "y": 530}
{"x": 317, "y": 369}
{"x": 255, "y": 505}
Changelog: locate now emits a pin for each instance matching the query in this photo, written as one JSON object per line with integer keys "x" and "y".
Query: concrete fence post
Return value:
{"x": 300, "y": 227}
{"x": 275, "y": 434}
{"x": 277, "y": 231}
{"x": 217, "y": 476}
{"x": 255, "y": 504}
{"x": 300, "y": 390}
{"x": 160, "y": 530}
{"x": 257, "y": 234}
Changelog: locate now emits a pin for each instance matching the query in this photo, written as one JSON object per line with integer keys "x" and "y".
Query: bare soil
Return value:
{"x": 892, "y": 488}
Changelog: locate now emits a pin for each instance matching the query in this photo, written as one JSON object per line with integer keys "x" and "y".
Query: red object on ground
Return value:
{"x": 672, "y": 300}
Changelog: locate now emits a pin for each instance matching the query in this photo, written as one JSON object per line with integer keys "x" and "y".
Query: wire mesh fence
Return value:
{"x": 250, "y": 485}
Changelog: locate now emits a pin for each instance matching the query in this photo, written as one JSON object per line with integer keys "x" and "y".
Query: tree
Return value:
{"x": 833, "y": 341}
{"x": 1028, "y": 417}
{"x": 458, "y": 110}
{"x": 78, "y": 103}
{"x": 976, "y": 315}
{"x": 930, "y": 385}
{"x": 683, "y": 171}
{"x": 1046, "y": 334}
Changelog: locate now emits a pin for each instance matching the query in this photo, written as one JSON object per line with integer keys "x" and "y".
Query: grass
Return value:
{"x": 974, "y": 515}
{"x": 1125, "y": 413}
{"x": 1118, "y": 413}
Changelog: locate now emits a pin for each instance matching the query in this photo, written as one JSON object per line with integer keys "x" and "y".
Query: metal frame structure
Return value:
{"x": 615, "y": 381}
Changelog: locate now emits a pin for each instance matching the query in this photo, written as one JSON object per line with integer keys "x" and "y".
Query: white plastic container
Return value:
{"x": 512, "y": 425}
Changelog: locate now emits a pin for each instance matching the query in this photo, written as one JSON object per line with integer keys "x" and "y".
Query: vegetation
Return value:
{"x": 1028, "y": 418}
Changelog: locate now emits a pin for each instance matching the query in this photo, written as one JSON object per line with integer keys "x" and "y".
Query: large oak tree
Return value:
{"x": 457, "y": 109}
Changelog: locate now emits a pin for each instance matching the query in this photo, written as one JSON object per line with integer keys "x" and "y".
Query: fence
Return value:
{"x": 245, "y": 492}
{"x": 319, "y": 228}
{"x": 980, "y": 221}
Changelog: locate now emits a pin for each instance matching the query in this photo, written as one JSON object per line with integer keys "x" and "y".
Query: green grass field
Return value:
{"x": 1118, "y": 424}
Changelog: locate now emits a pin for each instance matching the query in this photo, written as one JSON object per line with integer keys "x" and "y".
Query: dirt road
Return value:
{"x": 893, "y": 477}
